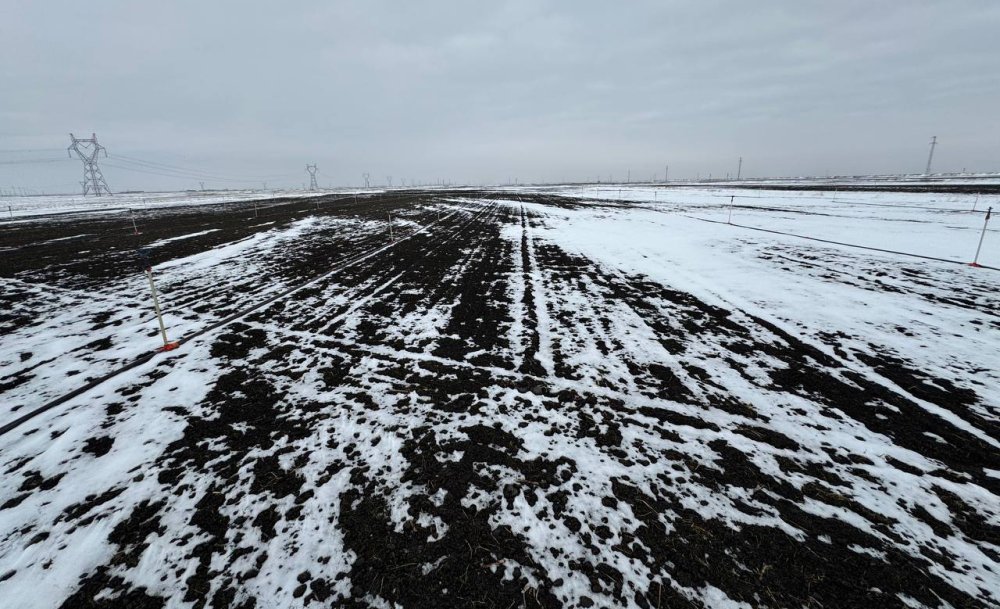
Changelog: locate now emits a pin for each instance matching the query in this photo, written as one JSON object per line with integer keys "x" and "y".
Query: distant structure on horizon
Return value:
{"x": 87, "y": 150}
{"x": 312, "y": 169}
{"x": 930, "y": 157}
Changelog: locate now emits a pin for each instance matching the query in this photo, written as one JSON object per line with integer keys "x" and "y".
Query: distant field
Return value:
{"x": 578, "y": 396}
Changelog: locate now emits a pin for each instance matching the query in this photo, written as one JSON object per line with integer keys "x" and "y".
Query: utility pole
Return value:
{"x": 975, "y": 261}
{"x": 739, "y": 171}
{"x": 312, "y": 169}
{"x": 87, "y": 150}
{"x": 930, "y": 156}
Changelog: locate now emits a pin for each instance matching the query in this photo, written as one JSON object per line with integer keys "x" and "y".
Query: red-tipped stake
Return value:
{"x": 975, "y": 261}
{"x": 148, "y": 269}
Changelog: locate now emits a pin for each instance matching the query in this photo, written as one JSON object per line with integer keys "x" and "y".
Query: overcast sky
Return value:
{"x": 486, "y": 91}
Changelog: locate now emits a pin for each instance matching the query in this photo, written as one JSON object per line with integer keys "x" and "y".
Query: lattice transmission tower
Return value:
{"x": 87, "y": 150}
{"x": 312, "y": 169}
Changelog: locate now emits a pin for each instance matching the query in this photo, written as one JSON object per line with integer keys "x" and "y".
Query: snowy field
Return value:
{"x": 552, "y": 397}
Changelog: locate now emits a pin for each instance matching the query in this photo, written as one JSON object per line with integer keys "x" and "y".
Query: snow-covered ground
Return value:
{"x": 930, "y": 224}
{"x": 533, "y": 397}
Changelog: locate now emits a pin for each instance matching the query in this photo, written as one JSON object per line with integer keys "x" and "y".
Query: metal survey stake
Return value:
{"x": 975, "y": 261}
{"x": 148, "y": 269}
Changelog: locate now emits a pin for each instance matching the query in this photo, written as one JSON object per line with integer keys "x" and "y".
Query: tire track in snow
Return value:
{"x": 535, "y": 305}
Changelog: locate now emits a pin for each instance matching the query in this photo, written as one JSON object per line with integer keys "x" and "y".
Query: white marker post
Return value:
{"x": 254, "y": 209}
{"x": 976, "y": 202}
{"x": 135, "y": 229}
{"x": 147, "y": 267}
{"x": 391, "y": 238}
{"x": 731, "y": 209}
{"x": 975, "y": 261}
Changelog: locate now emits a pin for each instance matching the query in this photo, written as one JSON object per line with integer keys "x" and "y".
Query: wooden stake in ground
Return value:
{"x": 975, "y": 261}
{"x": 254, "y": 209}
{"x": 731, "y": 208}
{"x": 391, "y": 238}
{"x": 148, "y": 269}
{"x": 135, "y": 228}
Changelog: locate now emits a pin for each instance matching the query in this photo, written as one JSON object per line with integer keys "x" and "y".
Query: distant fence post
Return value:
{"x": 975, "y": 261}
{"x": 730, "y": 221}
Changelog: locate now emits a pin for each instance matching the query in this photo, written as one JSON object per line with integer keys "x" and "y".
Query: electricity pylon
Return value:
{"x": 312, "y": 169}
{"x": 87, "y": 150}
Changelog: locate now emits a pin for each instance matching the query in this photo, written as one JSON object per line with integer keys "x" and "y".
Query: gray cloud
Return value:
{"x": 479, "y": 92}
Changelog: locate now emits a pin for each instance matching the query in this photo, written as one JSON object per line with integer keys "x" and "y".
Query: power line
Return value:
{"x": 209, "y": 175}
{"x": 181, "y": 176}
{"x": 23, "y": 150}
{"x": 32, "y": 161}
